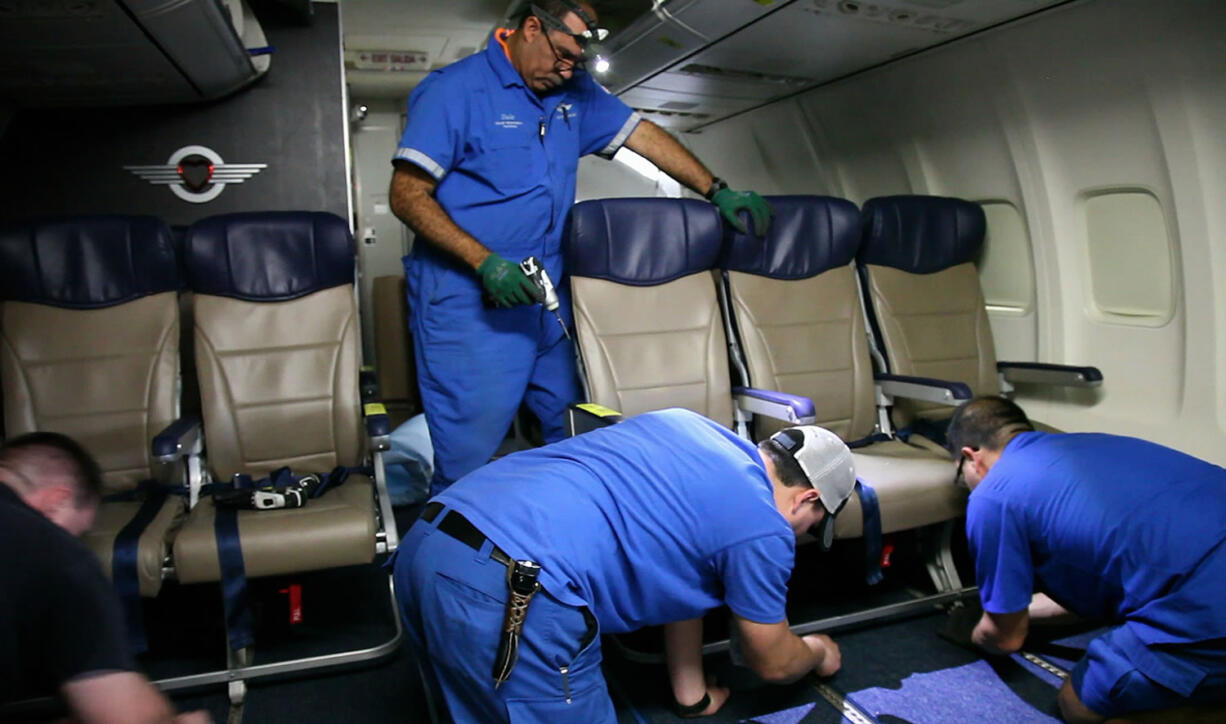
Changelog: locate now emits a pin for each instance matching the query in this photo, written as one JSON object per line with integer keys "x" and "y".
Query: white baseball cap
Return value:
{"x": 827, "y": 462}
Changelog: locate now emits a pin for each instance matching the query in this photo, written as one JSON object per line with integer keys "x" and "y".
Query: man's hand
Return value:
{"x": 730, "y": 203}
{"x": 832, "y": 661}
{"x": 1001, "y": 633}
{"x": 506, "y": 283}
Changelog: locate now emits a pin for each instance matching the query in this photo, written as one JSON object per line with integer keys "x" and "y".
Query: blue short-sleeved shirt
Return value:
{"x": 505, "y": 158}
{"x": 657, "y": 519}
{"x": 1110, "y": 527}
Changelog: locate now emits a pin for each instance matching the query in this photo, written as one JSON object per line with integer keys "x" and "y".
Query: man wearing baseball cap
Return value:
{"x": 509, "y": 575}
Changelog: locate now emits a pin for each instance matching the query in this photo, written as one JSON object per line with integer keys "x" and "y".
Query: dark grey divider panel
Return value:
{"x": 71, "y": 161}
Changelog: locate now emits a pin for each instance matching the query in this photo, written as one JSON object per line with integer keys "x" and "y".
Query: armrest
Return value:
{"x": 584, "y": 417}
{"x": 378, "y": 426}
{"x": 180, "y": 438}
{"x": 928, "y": 389}
{"x": 778, "y": 405}
{"x": 368, "y": 384}
{"x": 1050, "y": 374}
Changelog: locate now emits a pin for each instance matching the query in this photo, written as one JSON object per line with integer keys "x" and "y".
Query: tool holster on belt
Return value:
{"x": 521, "y": 580}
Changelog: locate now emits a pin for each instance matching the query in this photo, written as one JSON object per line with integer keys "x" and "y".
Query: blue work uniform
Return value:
{"x": 658, "y": 519}
{"x": 505, "y": 160}
{"x": 1121, "y": 530}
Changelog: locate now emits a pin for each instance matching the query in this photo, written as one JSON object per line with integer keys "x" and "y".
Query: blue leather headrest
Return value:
{"x": 921, "y": 234}
{"x": 86, "y": 262}
{"x": 269, "y": 256}
{"x": 808, "y": 235}
{"x": 642, "y": 241}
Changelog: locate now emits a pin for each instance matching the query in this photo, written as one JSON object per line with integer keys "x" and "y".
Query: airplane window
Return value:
{"x": 1130, "y": 257}
{"x": 1006, "y": 268}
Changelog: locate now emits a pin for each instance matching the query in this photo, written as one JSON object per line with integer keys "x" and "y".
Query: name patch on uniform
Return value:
{"x": 507, "y": 120}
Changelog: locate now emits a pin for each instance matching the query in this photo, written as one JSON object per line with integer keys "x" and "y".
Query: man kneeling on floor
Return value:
{"x": 60, "y": 622}
{"x": 656, "y": 520}
{"x": 1108, "y": 527}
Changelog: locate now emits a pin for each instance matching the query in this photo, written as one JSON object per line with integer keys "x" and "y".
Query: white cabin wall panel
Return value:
{"x": 923, "y": 133}
{"x": 1095, "y": 132}
{"x": 1100, "y": 95}
{"x": 601, "y": 179}
{"x": 769, "y": 151}
{"x": 381, "y": 237}
{"x": 1203, "y": 208}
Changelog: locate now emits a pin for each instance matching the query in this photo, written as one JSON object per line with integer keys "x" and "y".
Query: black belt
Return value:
{"x": 458, "y": 527}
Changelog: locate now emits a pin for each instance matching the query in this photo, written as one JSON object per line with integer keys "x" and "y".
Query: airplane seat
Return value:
{"x": 922, "y": 295}
{"x": 647, "y": 319}
{"x": 276, "y": 343}
{"x": 797, "y": 326}
{"x": 89, "y": 347}
{"x": 926, "y": 308}
{"x": 277, "y": 355}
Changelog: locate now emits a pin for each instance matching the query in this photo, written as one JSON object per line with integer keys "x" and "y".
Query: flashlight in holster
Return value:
{"x": 523, "y": 585}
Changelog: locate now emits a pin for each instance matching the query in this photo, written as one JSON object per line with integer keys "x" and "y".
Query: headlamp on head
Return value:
{"x": 827, "y": 463}
{"x": 589, "y": 40}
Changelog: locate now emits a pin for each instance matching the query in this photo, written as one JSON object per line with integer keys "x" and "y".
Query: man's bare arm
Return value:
{"x": 1001, "y": 633}
{"x": 781, "y": 657}
{"x": 123, "y": 697}
{"x": 658, "y": 146}
{"x": 1043, "y": 610}
{"x": 683, "y": 651}
{"x": 412, "y": 201}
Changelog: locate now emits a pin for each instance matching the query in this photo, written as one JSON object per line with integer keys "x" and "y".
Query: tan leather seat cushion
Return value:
{"x": 106, "y": 377}
{"x": 647, "y": 348}
{"x": 806, "y": 337}
{"x": 279, "y": 382}
{"x": 337, "y": 529}
{"x": 154, "y": 541}
{"x": 934, "y": 325}
{"x": 914, "y": 488}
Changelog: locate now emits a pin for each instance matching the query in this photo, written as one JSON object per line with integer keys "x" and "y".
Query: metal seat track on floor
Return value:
{"x": 888, "y": 612}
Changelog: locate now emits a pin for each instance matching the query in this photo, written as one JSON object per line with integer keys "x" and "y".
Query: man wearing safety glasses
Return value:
{"x": 485, "y": 176}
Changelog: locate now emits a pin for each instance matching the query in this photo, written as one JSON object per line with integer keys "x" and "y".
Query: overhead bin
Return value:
{"x": 126, "y": 52}
{"x": 672, "y": 29}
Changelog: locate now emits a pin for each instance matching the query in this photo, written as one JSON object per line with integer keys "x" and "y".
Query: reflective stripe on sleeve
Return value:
{"x": 414, "y": 156}
{"x": 622, "y": 135}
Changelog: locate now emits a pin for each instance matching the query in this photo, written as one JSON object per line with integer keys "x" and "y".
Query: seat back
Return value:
{"x": 89, "y": 335}
{"x": 395, "y": 367}
{"x": 276, "y": 338}
{"x": 797, "y": 314}
{"x": 922, "y": 291}
{"x": 646, "y": 313}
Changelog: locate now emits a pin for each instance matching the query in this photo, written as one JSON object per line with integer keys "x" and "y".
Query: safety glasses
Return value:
{"x": 959, "y": 477}
{"x": 588, "y": 40}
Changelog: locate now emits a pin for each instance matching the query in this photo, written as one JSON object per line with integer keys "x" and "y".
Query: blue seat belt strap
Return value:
{"x": 872, "y": 531}
{"x": 233, "y": 573}
{"x": 125, "y": 574}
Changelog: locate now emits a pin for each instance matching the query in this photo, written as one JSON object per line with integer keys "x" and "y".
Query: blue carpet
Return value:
{"x": 964, "y": 693}
{"x": 787, "y": 716}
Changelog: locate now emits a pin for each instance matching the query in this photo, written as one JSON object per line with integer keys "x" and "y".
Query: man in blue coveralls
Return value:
{"x": 655, "y": 520}
{"x": 485, "y": 176}
{"x": 1110, "y": 528}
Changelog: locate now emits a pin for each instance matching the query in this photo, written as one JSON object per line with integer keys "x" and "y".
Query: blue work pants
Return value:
{"x": 477, "y": 364}
{"x": 453, "y": 599}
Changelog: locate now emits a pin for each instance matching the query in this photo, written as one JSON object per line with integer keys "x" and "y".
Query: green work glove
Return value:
{"x": 505, "y": 282}
{"x": 730, "y": 203}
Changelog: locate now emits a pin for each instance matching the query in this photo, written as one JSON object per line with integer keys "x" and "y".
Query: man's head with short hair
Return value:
{"x": 813, "y": 473}
{"x": 979, "y": 430}
{"x": 54, "y": 475}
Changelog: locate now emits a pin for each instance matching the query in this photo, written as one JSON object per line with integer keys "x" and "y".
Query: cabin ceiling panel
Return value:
{"x": 804, "y": 43}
